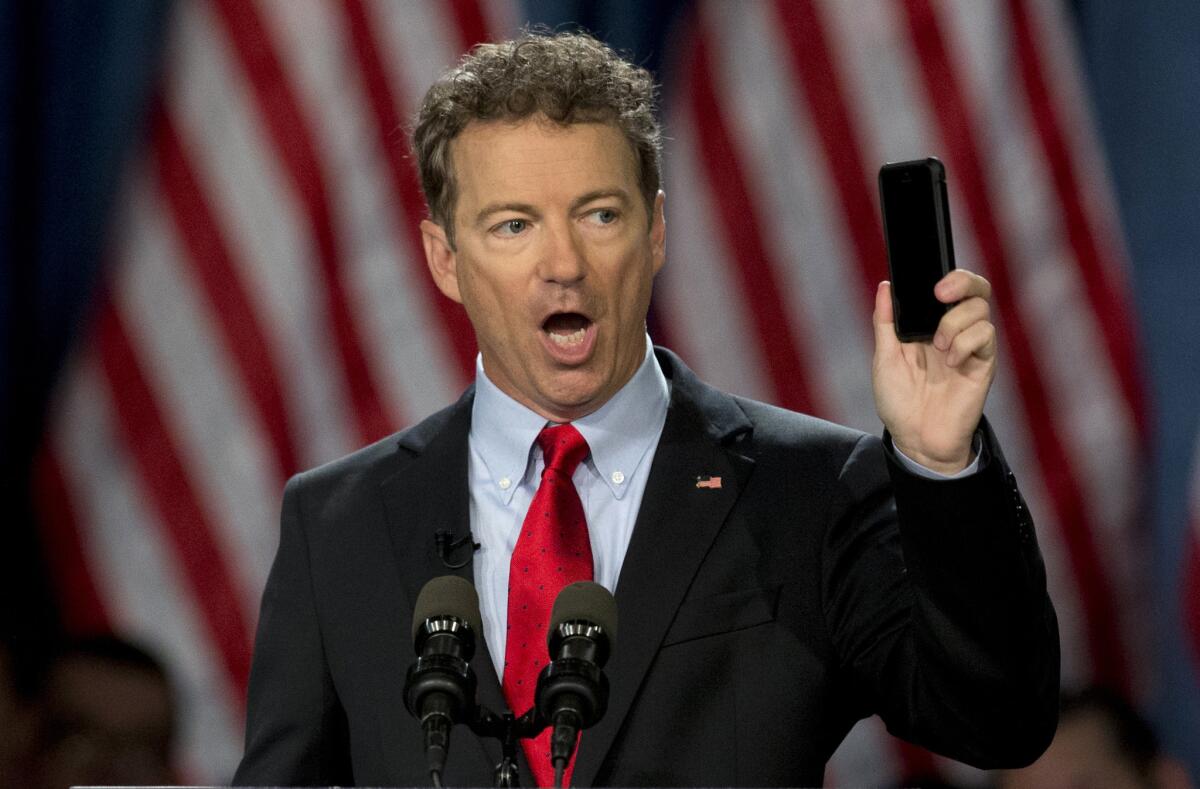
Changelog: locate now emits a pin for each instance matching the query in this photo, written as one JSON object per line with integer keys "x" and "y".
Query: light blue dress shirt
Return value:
{"x": 504, "y": 468}
{"x": 505, "y": 465}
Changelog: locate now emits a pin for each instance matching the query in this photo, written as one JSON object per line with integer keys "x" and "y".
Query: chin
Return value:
{"x": 575, "y": 400}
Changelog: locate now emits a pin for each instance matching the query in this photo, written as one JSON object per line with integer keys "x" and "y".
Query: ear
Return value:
{"x": 658, "y": 232}
{"x": 441, "y": 259}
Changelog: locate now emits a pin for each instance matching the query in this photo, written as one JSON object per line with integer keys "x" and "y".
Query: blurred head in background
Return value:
{"x": 16, "y": 722}
{"x": 106, "y": 715}
{"x": 1101, "y": 742}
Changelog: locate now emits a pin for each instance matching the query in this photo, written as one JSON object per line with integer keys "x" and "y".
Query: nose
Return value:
{"x": 562, "y": 260}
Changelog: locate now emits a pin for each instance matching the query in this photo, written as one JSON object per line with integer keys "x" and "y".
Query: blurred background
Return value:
{"x": 212, "y": 279}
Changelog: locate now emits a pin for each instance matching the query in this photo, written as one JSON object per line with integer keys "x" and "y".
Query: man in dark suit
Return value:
{"x": 777, "y": 577}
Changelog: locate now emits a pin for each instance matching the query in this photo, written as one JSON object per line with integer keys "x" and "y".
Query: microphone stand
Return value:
{"x": 509, "y": 730}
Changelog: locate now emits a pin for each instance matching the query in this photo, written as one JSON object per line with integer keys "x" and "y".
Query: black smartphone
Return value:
{"x": 920, "y": 248}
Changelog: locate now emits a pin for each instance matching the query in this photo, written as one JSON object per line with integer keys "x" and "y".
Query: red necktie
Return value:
{"x": 551, "y": 552}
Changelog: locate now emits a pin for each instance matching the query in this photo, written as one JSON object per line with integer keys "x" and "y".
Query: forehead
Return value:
{"x": 111, "y": 694}
{"x": 536, "y": 159}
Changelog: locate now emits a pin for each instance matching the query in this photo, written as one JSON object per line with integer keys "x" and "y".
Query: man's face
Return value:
{"x": 554, "y": 262}
{"x": 106, "y": 723}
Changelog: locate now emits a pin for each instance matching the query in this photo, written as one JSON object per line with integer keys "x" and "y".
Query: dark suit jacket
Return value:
{"x": 819, "y": 584}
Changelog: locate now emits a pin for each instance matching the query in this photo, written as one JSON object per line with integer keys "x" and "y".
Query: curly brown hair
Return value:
{"x": 567, "y": 77}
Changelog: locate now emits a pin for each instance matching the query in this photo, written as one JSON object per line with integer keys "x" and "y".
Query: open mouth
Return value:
{"x": 566, "y": 329}
{"x": 569, "y": 338}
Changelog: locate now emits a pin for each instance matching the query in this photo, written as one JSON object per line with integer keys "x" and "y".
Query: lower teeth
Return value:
{"x": 568, "y": 339}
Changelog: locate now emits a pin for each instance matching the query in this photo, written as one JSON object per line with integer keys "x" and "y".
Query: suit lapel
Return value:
{"x": 675, "y": 528}
{"x": 427, "y": 494}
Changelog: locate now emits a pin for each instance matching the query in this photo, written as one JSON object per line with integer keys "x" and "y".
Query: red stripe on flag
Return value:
{"x": 1191, "y": 590}
{"x": 753, "y": 264}
{"x": 79, "y": 598}
{"x": 154, "y": 451}
{"x": 389, "y": 125}
{"x": 660, "y": 330}
{"x": 1095, "y": 262}
{"x": 281, "y": 112}
{"x": 470, "y": 22}
{"x": 821, "y": 88}
{"x": 958, "y": 135}
{"x": 211, "y": 261}
{"x": 917, "y": 764}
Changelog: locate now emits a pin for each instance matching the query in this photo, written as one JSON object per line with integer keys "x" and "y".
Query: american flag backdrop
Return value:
{"x": 1191, "y": 573}
{"x": 267, "y": 306}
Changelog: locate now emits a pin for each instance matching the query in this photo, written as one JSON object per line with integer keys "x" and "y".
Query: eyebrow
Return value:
{"x": 600, "y": 194}
{"x": 526, "y": 208}
{"x": 495, "y": 208}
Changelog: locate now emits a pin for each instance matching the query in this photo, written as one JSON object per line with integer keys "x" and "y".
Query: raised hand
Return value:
{"x": 930, "y": 396}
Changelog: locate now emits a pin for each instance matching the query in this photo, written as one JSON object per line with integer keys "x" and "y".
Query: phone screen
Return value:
{"x": 916, "y": 220}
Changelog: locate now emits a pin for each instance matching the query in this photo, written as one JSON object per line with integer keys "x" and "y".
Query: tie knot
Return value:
{"x": 563, "y": 448}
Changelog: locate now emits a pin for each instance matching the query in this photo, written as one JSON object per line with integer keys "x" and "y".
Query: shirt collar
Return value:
{"x": 620, "y": 433}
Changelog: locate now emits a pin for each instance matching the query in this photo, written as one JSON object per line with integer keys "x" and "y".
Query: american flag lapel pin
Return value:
{"x": 712, "y": 483}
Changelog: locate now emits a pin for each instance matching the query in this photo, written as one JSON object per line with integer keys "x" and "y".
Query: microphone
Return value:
{"x": 572, "y": 692}
{"x": 445, "y": 545}
{"x": 439, "y": 689}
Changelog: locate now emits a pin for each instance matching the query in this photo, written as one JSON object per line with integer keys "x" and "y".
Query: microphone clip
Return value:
{"x": 446, "y": 545}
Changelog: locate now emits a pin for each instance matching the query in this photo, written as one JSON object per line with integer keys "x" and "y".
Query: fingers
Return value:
{"x": 962, "y": 284}
{"x": 978, "y": 340}
{"x": 958, "y": 319}
{"x": 966, "y": 329}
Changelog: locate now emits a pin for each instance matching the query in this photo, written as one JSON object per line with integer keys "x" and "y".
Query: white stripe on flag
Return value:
{"x": 803, "y": 225}
{"x": 1084, "y": 396}
{"x": 405, "y": 343}
{"x": 697, "y": 293}
{"x": 416, "y": 47}
{"x": 1062, "y": 59}
{"x": 137, "y": 575}
{"x": 265, "y": 228}
{"x": 222, "y": 448}
{"x": 502, "y": 17}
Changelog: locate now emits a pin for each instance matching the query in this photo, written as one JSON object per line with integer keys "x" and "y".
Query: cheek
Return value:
{"x": 635, "y": 290}
{"x": 497, "y": 308}
{"x": 480, "y": 296}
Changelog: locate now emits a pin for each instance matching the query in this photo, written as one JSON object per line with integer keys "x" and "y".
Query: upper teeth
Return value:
{"x": 568, "y": 339}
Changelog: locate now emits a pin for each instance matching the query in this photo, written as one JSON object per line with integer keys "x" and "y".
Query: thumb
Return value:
{"x": 885, "y": 328}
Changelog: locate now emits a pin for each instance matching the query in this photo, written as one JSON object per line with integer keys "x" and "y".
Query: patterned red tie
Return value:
{"x": 551, "y": 552}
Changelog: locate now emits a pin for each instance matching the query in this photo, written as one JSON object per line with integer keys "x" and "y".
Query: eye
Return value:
{"x": 511, "y": 227}
{"x": 603, "y": 216}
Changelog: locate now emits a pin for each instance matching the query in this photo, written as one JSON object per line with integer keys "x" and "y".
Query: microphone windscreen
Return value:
{"x": 589, "y": 601}
{"x": 448, "y": 595}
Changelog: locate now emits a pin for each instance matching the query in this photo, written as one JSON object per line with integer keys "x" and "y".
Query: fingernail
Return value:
{"x": 939, "y": 342}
